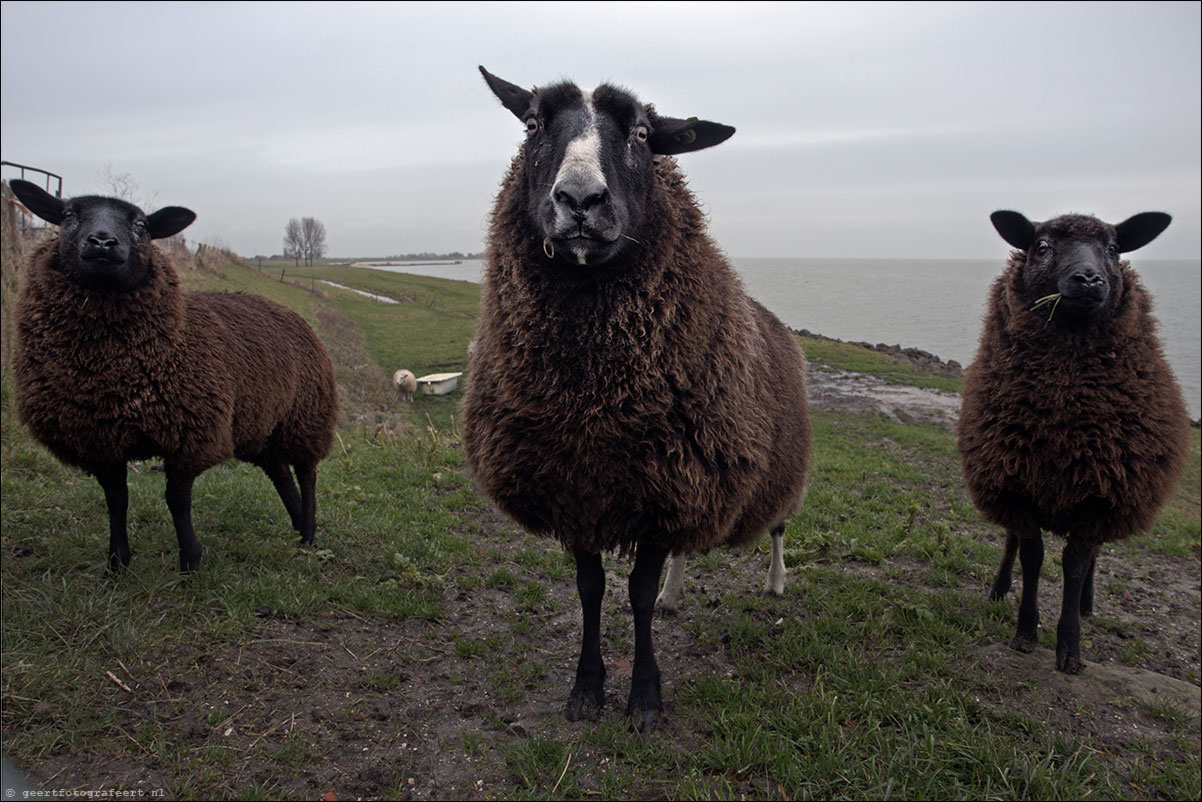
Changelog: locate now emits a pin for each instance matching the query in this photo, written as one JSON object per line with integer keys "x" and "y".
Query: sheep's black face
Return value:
{"x": 103, "y": 243}
{"x": 1075, "y": 259}
{"x": 589, "y": 171}
{"x": 589, "y": 160}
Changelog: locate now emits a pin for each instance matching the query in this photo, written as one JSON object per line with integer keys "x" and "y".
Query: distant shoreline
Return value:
{"x": 914, "y": 356}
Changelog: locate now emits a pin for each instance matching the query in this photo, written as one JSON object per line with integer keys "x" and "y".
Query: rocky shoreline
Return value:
{"x": 920, "y": 359}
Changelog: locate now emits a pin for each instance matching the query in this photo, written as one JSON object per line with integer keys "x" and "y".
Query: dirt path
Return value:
{"x": 859, "y": 392}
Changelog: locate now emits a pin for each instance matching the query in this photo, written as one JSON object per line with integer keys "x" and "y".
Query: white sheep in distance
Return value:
{"x": 405, "y": 383}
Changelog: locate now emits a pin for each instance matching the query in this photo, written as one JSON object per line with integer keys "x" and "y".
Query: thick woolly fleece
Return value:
{"x": 1080, "y": 432}
{"x": 647, "y": 401}
{"x": 195, "y": 378}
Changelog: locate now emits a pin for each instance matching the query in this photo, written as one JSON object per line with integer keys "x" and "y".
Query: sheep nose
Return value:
{"x": 102, "y": 239}
{"x": 580, "y": 196}
{"x": 1088, "y": 276}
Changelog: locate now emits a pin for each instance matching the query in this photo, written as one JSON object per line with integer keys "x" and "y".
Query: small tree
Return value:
{"x": 294, "y": 240}
{"x": 313, "y": 235}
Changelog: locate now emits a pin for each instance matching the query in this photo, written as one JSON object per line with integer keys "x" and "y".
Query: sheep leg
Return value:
{"x": 277, "y": 470}
{"x": 112, "y": 479}
{"x": 1001, "y": 582}
{"x": 644, "y": 703}
{"x": 1087, "y": 589}
{"x": 589, "y": 690}
{"x": 669, "y": 598}
{"x": 1076, "y": 561}
{"x": 1030, "y": 554}
{"x": 307, "y": 474}
{"x": 179, "y": 501}
{"x": 775, "y": 583}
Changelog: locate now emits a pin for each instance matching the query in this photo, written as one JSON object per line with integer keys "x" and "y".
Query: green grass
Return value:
{"x": 832, "y": 355}
{"x": 864, "y": 681}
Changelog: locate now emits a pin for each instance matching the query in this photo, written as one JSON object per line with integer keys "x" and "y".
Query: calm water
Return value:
{"x": 935, "y": 305}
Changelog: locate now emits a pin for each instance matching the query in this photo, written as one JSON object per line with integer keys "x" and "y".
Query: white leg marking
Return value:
{"x": 776, "y": 569}
{"x": 669, "y": 598}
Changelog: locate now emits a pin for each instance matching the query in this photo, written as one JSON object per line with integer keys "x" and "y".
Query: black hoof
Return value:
{"x": 584, "y": 705}
{"x": 189, "y": 562}
{"x": 588, "y": 693}
{"x": 643, "y": 721}
{"x": 644, "y": 706}
{"x": 1069, "y": 663}
{"x": 1023, "y": 644}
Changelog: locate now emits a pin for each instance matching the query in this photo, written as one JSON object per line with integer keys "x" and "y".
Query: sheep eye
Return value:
{"x": 1112, "y": 249}
{"x": 532, "y": 125}
{"x": 1043, "y": 246}
{"x": 641, "y": 133}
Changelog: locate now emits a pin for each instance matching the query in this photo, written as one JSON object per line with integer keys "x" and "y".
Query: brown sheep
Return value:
{"x": 116, "y": 363}
{"x": 1072, "y": 420}
{"x": 624, "y": 392}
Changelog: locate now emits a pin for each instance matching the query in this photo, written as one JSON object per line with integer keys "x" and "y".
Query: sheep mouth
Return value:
{"x": 102, "y": 261}
{"x": 582, "y": 249}
{"x": 583, "y": 240}
{"x": 1086, "y": 300}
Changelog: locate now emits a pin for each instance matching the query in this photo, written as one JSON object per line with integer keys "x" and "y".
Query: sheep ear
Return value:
{"x": 38, "y": 200}
{"x": 513, "y": 97}
{"x": 1136, "y": 232}
{"x": 169, "y": 220}
{"x": 672, "y": 135}
{"x": 1014, "y": 228}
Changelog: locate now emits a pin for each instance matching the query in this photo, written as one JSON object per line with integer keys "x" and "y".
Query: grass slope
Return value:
{"x": 425, "y": 647}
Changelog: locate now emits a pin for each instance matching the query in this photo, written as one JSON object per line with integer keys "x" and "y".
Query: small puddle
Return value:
{"x": 372, "y": 295}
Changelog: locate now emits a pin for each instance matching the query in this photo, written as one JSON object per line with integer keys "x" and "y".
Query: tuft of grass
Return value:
{"x": 1053, "y": 299}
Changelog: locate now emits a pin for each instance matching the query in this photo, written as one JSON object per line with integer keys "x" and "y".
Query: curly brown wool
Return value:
{"x": 1072, "y": 421}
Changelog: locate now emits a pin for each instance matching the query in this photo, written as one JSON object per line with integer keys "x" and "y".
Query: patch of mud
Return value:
{"x": 861, "y": 393}
{"x": 1115, "y": 704}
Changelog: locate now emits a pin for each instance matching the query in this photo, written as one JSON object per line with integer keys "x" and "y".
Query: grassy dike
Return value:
{"x": 424, "y": 648}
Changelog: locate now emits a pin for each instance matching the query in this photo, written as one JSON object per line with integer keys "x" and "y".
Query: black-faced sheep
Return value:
{"x": 624, "y": 392}
{"x": 1072, "y": 421}
{"x": 116, "y": 363}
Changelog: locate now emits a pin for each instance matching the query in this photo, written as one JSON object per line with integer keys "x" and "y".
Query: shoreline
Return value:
{"x": 923, "y": 360}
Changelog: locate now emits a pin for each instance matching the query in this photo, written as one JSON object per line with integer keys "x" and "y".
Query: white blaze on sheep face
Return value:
{"x": 589, "y": 164}
{"x": 580, "y": 182}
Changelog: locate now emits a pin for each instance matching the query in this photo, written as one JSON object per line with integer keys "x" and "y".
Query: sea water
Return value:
{"x": 935, "y": 305}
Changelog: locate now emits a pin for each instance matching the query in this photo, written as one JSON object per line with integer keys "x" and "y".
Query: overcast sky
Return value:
{"x": 864, "y": 130}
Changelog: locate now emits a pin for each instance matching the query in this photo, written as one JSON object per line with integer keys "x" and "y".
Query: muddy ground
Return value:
{"x": 386, "y": 709}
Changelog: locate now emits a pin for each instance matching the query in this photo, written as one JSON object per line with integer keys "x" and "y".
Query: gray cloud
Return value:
{"x": 863, "y": 129}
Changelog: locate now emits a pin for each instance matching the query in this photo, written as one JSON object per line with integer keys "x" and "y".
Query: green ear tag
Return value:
{"x": 686, "y": 137}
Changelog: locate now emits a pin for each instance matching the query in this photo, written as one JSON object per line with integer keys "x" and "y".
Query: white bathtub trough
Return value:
{"x": 438, "y": 383}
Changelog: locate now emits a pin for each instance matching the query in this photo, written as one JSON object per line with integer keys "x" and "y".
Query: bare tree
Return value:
{"x": 294, "y": 240}
{"x": 126, "y": 187}
{"x": 313, "y": 235}
{"x": 305, "y": 239}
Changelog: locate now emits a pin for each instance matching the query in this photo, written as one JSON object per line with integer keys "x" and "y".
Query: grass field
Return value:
{"x": 425, "y": 647}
